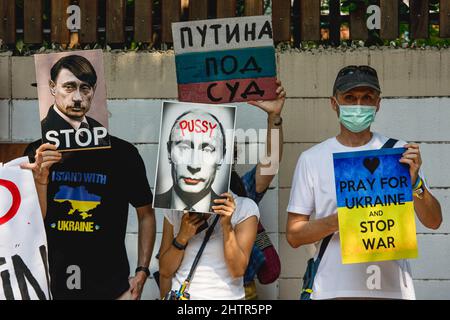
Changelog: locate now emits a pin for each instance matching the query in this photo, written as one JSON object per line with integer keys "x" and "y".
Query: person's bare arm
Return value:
{"x": 170, "y": 257}
{"x": 428, "y": 209}
{"x": 300, "y": 230}
{"x": 165, "y": 285}
{"x": 237, "y": 245}
{"x": 146, "y": 242}
{"x": 165, "y": 275}
{"x": 46, "y": 155}
{"x": 238, "y": 241}
{"x": 42, "y": 195}
{"x": 266, "y": 171}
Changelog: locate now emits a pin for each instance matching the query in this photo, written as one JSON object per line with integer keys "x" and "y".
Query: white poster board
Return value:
{"x": 23, "y": 244}
{"x": 195, "y": 155}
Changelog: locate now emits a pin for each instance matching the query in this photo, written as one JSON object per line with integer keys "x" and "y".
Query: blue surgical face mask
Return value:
{"x": 356, "y": 118}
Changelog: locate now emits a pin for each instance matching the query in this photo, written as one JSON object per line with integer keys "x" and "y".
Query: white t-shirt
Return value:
{"x": 313, "y": 192}
{"x": 211, "y": 280}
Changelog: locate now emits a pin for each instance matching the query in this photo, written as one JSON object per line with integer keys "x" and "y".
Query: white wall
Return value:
{"x": 425, "y": 121}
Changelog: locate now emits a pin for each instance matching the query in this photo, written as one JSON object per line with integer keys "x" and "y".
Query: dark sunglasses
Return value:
{"x": 352, "y": 69}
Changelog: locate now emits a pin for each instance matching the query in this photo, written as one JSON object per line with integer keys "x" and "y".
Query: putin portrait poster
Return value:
{"x": 72, "y": 100}
{"x": 195, "y": 155}
{"x": 375, "y": 206}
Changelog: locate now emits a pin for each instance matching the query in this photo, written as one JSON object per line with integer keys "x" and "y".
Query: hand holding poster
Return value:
{"x": 195, "y": 155}
{"x": 375, "y": 206}
{"x": 23, "y": 244}
{"x": 225, "y": 60}
{"x": 72, "y": 99}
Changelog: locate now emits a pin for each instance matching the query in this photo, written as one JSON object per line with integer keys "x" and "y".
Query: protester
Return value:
{"x": 356, "y": 100}
{"x": 46, "y": 155}
{"x": 254, "y": 185}
{"x": 220, "y": 270}
{"x": 86, "y": 212}
{"x": 256, "y": 182}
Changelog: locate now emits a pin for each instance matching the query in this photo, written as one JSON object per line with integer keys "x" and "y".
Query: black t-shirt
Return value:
{"x": 88, "y": 198}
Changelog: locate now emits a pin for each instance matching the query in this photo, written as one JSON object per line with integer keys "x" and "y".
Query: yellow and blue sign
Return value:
{"x": 375, "y": 206}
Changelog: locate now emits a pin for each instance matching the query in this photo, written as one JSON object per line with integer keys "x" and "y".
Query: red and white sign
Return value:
{"x": 23, "y": 244}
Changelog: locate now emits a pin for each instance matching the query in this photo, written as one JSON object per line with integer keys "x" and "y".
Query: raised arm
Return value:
{"x": 46, "y": 155}
{"x": 427, "y": 207}
{"x": 268, "y": 168}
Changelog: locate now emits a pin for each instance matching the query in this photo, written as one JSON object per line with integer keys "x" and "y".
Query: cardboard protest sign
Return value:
{"x": 72, "y": 99}
{"x": 23, "y": 244}
{"x": 225, "y": 60}
{"x": 195, "y": 155}
{"x": 375, "y": 206}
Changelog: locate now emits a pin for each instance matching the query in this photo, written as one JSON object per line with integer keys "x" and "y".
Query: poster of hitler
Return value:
{"x": 23, "y": 243}
{"x": 225, "y": 60}
{"x": 375, "y": 206}
{"x": 195, "y": 155}
{"x": 72, "y": 100}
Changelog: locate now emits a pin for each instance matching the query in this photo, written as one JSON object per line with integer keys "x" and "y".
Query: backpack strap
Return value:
{"x": 202, "y": 247}
{"x": 324, "y": 245}
{"x": 389, "y": 144}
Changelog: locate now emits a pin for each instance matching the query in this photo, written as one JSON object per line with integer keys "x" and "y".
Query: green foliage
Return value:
{"x": 348, "y": 6}
{"x": 20, "y": 46}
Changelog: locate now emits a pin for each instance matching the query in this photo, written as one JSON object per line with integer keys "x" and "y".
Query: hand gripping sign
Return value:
{"x": 23, "y": 245}
{"x": 375, "y": 206}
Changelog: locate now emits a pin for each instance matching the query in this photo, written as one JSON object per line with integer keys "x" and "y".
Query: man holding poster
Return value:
{"x": 356, "y": 99}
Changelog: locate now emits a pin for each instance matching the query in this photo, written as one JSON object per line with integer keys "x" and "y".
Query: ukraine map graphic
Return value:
{"x": 79, "y": 198}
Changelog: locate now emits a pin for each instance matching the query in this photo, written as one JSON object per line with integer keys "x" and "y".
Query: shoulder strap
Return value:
{"x": 389, "y": 144}
{"x": 324, "y": 245}
{"x": 202, "y": 247}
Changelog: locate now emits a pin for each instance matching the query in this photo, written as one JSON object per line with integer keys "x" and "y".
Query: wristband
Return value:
{"x": 144, "y": 269}
{"x": 178, "y": 245}
{"x": 418, "y": 189}
{"x": 418, "y": 183}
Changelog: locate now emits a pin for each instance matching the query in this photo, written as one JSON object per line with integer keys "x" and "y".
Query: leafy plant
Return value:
{"x": 348, "y": 6}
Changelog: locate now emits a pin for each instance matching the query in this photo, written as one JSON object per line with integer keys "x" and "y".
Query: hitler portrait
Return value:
{"x": 72, "y": 100}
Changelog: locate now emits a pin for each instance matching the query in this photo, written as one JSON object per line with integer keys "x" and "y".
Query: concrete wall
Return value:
{"x": 416, "y": 89}
{"x": 416, "y": 85}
